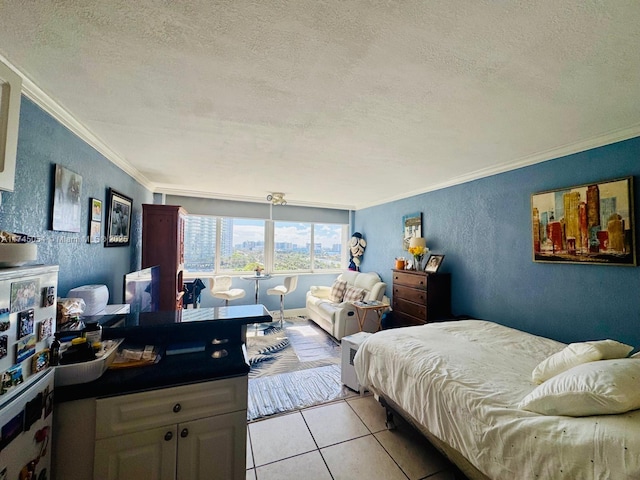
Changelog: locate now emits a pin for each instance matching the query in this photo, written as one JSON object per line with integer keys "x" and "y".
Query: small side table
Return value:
{"x": 363, "y": 307}
{"x": 257, "y": 278}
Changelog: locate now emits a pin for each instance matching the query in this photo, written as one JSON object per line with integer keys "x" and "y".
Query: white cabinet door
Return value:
{"x": 148, "y": 455}
{"x": 213, "y": 448}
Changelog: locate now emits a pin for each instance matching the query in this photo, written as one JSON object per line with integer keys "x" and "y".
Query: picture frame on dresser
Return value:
{"x": 118, "y": 226}
{"x": 433, "y": 264}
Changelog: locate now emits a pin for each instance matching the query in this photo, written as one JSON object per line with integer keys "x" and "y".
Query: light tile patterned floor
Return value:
{"x": 346, "y": 439}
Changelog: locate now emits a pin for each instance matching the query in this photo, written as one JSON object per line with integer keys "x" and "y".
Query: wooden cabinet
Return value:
{"x": 163, "y": 245}
{"x": 196, "y": 431}
{"x": 420, "y": 298}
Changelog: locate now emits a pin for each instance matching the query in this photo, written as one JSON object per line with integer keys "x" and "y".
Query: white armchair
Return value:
{"x": 339, "y": 319}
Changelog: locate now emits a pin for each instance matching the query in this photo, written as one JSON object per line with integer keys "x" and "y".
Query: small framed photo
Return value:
{"x": 118, "y": 220}
{"x": 95, "y": 230}
{"x": 96, "y": 210}
{"x": 434, "y": 263}
{"x": 4, "y": 344}
{"x": 95, "y": 221}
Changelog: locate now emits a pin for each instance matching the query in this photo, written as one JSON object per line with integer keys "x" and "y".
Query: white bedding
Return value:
{"x": 463, "y": 380}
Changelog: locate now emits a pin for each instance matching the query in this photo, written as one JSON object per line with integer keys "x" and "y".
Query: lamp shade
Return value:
{"x": 417, "y": 242}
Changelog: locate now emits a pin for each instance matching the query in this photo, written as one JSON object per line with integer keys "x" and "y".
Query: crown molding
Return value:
{"x": 551, "y": 154}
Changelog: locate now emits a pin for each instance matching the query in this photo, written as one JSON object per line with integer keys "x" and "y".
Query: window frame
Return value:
{"x": 269, "y": 247}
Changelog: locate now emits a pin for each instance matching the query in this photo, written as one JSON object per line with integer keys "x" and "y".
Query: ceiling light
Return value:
{"x": 277, "y": 198}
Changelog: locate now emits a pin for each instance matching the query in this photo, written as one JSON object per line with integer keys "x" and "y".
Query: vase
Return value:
{"x": 417, "y": 263}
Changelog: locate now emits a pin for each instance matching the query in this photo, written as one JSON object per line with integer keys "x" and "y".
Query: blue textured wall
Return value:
{"x": 42, "y": 143}
{"x": 484, "y": 230}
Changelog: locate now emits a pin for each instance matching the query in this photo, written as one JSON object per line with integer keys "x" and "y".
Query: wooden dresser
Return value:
{"x": 420, "y": 298}
{"x": 163, "y": 245}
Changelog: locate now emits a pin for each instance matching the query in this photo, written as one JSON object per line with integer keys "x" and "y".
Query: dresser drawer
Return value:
{"x": 401, "y": 319}
{"x": 411, "y": 294}
{"x": 415, "y": 280}
{"x": 141, "y": 411}
{"x": 410, "y": 308}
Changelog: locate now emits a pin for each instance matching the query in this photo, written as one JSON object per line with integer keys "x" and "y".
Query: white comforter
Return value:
{"x": 462, "y": 380}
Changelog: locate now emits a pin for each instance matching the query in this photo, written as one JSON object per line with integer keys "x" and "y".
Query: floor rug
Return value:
{"x": 294, "y": 367}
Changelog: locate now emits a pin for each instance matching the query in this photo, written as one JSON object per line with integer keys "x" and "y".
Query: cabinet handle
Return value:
{"x": 177, "y": 407}
{"x": 168, "y": 436}
{"x": 184, "y": 432}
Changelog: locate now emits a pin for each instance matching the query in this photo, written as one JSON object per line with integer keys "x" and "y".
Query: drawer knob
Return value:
{"x": 168, "y": 436}
{"x": 184, "y": 433}
{"x": 177, "y": 407}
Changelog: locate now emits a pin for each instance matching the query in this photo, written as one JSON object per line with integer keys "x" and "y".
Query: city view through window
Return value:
{"x": 214, "y": 244}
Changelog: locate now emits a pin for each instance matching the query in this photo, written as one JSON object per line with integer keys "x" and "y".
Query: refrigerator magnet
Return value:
{"x": 25, "y": 323}
{"x": 45, "y": 328}
{"x": 24, "y": 295}
{"x": 4, "y": 342}
{"x": 25, "y": 347}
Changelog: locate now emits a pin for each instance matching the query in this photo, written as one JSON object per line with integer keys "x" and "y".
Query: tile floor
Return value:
{"x": 345, "y": 439}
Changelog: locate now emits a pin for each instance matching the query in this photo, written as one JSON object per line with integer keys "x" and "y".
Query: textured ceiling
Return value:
{"x": 336, "y": 103}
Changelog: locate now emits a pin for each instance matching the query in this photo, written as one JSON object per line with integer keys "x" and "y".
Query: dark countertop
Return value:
{"x": 170, "y": 371}
{"x": 163, "y": 328}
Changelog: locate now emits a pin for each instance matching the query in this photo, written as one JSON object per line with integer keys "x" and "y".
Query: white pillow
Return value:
{"x": 594, "y": 388}
{"x": 577, "y": 353}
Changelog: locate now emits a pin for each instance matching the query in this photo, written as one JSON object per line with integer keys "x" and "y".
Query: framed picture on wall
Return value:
{"x": 590, "y": 224}
{"x": 118, "y": 219}
{"x": 66, "y": 200}
{"x": 95, "y": 220}
{"x": 411, "y": 227}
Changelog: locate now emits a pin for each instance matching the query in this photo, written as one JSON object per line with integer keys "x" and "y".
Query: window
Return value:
{"x": 227, "y": 245}
{"x": 200, "y": 243}
{"x": 327, "y": 246}
{"x": 241, "y": 244}
{"x": 292, "y": 246}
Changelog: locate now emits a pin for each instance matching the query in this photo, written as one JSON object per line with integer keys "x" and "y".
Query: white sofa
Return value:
{"x": 339, "y": 319}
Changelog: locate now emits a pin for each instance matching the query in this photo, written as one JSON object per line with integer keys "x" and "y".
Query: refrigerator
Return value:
{"x": 27, "y": 324}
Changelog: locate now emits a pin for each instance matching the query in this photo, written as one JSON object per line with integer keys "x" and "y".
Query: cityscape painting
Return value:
{"x": 590, "y": 224}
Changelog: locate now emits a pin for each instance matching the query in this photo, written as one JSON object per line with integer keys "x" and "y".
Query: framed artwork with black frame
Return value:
{"x": 118, "y": 230}
{"x": 433, "y": 264}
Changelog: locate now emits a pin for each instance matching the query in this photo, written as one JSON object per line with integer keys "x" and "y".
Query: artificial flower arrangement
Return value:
{"x": 418, "y": 253}
{"x": 259, "y": 268}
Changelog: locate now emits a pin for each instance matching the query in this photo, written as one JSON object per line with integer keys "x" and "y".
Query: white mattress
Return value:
{"x": 462, "y": 380}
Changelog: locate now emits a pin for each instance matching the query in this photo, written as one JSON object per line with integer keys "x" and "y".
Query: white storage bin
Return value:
{"x": 87, "y": 371}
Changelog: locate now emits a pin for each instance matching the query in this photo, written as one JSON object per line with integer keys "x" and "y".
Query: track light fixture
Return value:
{"x": 277, "y": 198}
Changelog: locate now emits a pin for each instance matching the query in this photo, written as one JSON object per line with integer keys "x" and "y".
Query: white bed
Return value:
{"x": 461, "y": 382}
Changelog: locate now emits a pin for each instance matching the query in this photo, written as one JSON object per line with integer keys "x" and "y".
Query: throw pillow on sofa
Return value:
{"x": 354, "y": 294}
{"x": 337, "y": 291}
